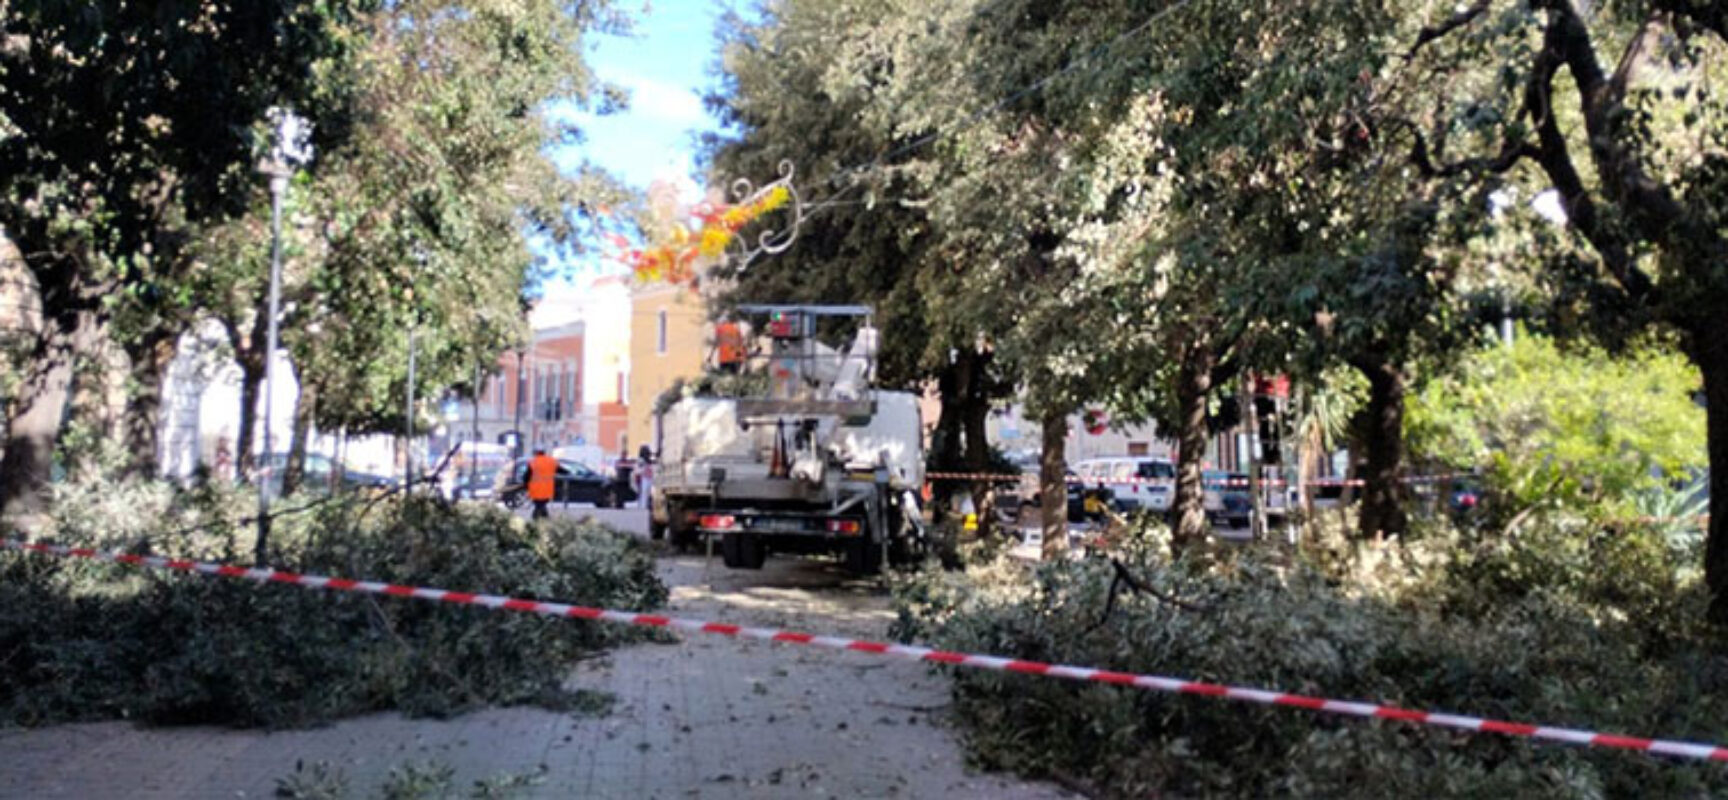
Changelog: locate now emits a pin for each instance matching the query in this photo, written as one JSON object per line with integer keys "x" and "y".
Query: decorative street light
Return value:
{"x": 291, "y": 148}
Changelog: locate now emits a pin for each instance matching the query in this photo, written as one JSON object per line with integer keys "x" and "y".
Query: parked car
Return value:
{"x": 1137, "y": 483}
{"x": 1463, "y": 495}
{"x": 480, "y": 483}
{"x": 1226, "y": 498}
{"x": 575, "y": 483}
{"x": 317, "y": 474}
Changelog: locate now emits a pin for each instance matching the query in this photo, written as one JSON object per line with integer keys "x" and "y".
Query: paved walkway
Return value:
{"x": 704, "y": 718}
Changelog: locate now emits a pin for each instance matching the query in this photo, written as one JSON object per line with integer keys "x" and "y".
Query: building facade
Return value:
{"x": 668, "y": 342}
{"x": 567, "y": 388}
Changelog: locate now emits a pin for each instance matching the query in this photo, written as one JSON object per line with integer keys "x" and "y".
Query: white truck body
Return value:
{"x": 822, "y": 463}
{"x": 700, "y": 434}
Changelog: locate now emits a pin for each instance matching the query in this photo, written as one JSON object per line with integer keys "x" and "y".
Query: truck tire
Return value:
{"x": 656, "y": 529}
{"x": 742, "y": 551}
{"x": 684, "y": 537}
{"x": 863, "y": 556}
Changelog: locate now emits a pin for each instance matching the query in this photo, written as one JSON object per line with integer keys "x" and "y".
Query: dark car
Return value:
{"x": 317, "y": 474}
{"x": 575, "y": 483}
{"x": 1462, "y": 498}
{"x": 1226, "y": 498}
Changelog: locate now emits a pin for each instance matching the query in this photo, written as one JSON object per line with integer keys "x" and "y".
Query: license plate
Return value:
{"x": 778, "y": 525}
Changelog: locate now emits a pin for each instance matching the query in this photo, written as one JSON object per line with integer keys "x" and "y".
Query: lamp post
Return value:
{"x": 292, "y": 148}
{"x": 474, "y": 448}
{"x": 521, "y": 386}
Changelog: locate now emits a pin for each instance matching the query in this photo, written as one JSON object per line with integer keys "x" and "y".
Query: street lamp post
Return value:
{"x": 474, "y": 454}
{"x": 291, "y": 148}
{"x": 521, "y": 386}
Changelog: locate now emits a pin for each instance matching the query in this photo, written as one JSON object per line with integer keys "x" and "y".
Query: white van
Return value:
{"x": 1139, "y": 483}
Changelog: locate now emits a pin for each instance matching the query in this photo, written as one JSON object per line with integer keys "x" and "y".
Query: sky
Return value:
{"x": 665, "y": 65}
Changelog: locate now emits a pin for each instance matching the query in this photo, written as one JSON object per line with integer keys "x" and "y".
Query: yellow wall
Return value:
{"x": 653, "y": 370}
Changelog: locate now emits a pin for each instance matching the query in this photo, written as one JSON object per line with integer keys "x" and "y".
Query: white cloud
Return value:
{"x": 664, "y": 103}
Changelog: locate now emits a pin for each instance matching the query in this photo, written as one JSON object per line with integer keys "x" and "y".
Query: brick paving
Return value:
{"x": 702, "y": 718}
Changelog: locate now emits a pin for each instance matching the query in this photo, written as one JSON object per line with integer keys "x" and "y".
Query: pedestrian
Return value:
{"x": 644, "y": 476}
{"x": 542, "y": 482}
{"x": 224, "y": 459}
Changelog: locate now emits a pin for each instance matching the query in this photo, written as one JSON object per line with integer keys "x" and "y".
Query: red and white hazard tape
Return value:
{"x": 911, "y": 653}
{"x": 1209, "y": 483}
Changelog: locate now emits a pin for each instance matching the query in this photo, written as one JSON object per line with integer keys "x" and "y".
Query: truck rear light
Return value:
{"x": 718, "y": 522}
{"x": 849, "y": 527}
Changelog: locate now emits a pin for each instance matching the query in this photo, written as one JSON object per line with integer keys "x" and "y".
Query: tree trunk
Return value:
{"x": 1383, "y": 437}
{"x": 150, "y": 358}
{"x": 945, "y": 452}
{"x": 1307, "y": 471}
{"x": 1053, "y": 484}
{"x": 38, "y": 411}
{"x": 1712, "y": 360}
{"x": 975, "y": 414}
{"x": 304, "y": 408}
{"x": 1188, "y": 507}
{"x": 251, "y": 386}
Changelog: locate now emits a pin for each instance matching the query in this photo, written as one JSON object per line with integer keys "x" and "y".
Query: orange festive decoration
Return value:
{"x": 674, "y": 258}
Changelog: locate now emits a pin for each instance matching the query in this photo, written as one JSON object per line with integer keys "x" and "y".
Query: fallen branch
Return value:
{"x": 1125, "y": 578}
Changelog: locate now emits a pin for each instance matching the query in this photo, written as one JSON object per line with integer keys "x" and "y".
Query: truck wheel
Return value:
{"x": 742, "y": 551}
{"x": 656, "y": 530}
{"x": 684, "y": 537}
{"x": 608, "y": 498}
{"x": 864, "y": 557}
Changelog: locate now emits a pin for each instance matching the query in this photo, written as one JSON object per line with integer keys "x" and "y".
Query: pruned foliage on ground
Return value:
{"x": 82, "y": 641}
{"x": 1543, "y": 628}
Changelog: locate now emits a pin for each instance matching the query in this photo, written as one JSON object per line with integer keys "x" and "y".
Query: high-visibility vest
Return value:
{"x": 729, "y": 340}
{"x": 542, "y": 477}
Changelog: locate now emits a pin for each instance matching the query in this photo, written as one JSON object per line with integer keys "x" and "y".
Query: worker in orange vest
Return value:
{"x": 542, "y": 482}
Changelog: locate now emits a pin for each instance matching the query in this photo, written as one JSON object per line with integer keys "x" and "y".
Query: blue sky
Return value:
{"x": 665, "y": 65}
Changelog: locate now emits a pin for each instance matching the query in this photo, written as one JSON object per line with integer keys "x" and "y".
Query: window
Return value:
{"x": 662, "y": 340}
{"x": 1157, "y": 469}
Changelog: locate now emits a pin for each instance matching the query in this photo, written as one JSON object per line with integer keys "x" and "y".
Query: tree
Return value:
{"x": 414, "y": 223}
{"x": 1615, "y": 109}
{"x": 795, "y": 88}
{"x": 120, "y": 133}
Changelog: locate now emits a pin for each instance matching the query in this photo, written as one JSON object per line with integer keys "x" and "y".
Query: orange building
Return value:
{"x": 668, "y": 341}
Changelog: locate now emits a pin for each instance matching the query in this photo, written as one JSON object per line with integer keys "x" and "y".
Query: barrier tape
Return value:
{"x": 1573, "y": 736}
{"x": 1232, "y": 482}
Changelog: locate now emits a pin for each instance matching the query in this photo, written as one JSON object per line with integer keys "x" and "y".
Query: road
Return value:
{"x": 706, "y": 717}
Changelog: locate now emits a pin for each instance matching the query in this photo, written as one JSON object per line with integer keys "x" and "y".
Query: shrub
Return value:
{"x": 81, "y": 640}
{"x": 1564, "y": 428}
{"x": 1542, "y": 655}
